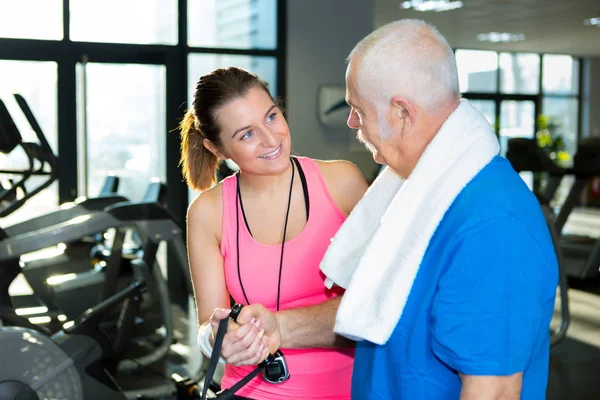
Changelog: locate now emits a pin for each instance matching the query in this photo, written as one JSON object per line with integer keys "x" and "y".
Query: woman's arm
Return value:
{"x": 243, "y": 344}
{"x": 345, "y": 183}
{"x": 205, "y": 259}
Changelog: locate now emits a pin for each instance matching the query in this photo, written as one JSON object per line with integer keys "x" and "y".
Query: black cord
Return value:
{"x": 237, "y": 241}
{"x": 287, "y": 215}
{"x": 238, "y": 202}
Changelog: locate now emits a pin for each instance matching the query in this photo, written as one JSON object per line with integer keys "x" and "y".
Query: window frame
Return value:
{"x": 498, "y": 97}
{"x": 67, "y": 53}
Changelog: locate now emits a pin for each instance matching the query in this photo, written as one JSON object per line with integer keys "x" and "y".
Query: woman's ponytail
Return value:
{"x": 198, "y": 164}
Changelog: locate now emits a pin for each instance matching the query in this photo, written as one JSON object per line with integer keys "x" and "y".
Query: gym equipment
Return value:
{"x": 40, "y": 157}
{"x": 89, "y": 351}
{"x": 70, "y": 260}
{"x": 525, "y": 155}
{"x": 81, "y": 206}
{"x": 581, "y": 253}
{"x": 79, "y": 362}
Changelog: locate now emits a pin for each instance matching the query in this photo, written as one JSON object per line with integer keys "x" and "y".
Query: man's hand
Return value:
{"x": 245, "y": 343}
{"x": 266, "y": 320}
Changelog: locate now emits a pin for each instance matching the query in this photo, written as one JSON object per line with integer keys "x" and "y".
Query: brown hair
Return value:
{"x": 213, "y": 91}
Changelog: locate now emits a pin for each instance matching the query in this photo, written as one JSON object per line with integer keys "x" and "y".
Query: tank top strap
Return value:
{"x": 321, "y": 202}
{"x": 228, "y": 193}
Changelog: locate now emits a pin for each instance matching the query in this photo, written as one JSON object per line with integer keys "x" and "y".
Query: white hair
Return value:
{"x": 407, "y": 58}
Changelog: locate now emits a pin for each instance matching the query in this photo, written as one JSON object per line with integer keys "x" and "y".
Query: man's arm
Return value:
{"x": 302, "y": 327}
{"x": 311, "y": 326}
{"x": 493, "y": 306}
{"x": 491, "y": 387}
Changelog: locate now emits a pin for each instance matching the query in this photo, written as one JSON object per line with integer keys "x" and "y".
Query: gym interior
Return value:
{"x": 92, "y": 200}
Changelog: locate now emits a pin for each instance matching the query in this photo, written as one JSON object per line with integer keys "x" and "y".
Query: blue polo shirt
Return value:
{"x": 480, "y": 304}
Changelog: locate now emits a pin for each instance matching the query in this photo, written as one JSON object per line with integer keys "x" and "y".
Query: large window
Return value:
{"x": 236, "y": 24}
{"x": 561, "y": 97}
{"x": 477, "y": 71}
{"x": 126, "y": 72}
{"x": 522, "y": 89}
{"x": 110, "y": 80}
{"x": 122, "y": 128}
{"x": 519, "y": 73}
{"x": 31, "y": 19}
{"x": 118, "y": 21}
{"x": 526, "y": 95}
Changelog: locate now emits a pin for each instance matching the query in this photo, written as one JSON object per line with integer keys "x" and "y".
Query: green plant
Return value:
{"x": 550, "y": 138}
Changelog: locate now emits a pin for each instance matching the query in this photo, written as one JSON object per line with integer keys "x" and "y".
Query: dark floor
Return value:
{"x": 574, "y": 365}
{"x": 574, "y": 371}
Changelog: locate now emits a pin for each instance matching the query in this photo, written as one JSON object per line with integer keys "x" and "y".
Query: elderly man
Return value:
{"x": 448, "y": 265}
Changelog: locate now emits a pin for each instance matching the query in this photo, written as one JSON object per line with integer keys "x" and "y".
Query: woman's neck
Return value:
{"x": 259, "y": 185}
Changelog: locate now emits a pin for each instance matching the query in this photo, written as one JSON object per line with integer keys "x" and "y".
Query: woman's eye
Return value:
{"x": 271, "y": 117}
{"x": 247, "y": 135}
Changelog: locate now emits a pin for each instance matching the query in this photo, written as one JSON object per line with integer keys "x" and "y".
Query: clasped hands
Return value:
{"x": 249, "y": 341}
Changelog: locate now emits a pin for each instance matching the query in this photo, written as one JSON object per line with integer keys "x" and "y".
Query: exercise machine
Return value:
{"x": 96, "y": 343}
{"x": 47, "y": 269}
{"x": 581, "y": 252}
{"x": 41, "y": 160}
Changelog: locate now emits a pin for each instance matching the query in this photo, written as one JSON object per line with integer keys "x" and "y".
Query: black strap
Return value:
{"x": 226, "y": 394}
{"x": 214, "y": 357}
{"x": 304, "y": 186}
{"x": 304, "y": 190}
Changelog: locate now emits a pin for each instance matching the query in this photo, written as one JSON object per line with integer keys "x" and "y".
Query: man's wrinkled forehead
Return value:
{"x": 351, "y": 84}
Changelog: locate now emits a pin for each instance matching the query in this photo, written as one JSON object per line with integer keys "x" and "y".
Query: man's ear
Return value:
{"x": 403, "y": 109}
{"x": 210, "y": 146}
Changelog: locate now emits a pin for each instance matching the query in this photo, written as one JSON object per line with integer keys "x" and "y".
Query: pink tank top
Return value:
{"x": 315, "y": 373}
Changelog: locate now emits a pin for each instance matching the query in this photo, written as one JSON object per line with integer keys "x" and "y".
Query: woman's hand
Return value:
{"x": 245, "y": 343}
{"x": 267, "y": 321}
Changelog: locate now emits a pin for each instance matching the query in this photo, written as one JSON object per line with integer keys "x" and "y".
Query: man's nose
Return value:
{"x": 353, "y": 121}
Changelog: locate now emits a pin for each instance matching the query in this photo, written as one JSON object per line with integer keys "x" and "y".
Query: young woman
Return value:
{"x": 259, "y": 237}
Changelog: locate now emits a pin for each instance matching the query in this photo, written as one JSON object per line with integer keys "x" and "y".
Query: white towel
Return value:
{"x": 377, "y": 252}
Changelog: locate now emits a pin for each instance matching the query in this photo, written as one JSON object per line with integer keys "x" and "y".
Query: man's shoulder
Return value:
{"x": 497, "y": 191}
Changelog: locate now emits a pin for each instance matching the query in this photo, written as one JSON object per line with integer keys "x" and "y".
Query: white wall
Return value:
{"x": 590, "y": 124}
{"x": 319, "y": 38}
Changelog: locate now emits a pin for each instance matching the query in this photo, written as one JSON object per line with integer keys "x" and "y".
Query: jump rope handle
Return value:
{"x": 235, "y": 311}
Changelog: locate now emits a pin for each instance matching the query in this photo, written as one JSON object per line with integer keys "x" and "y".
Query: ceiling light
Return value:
{"x": 592, "y": 21}
{"x": 431, "y": 5}
{"x": 500, "y": 37}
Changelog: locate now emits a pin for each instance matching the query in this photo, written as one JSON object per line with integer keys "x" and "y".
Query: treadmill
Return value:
{"x": 41, "y": 159}
{"x": 155, "y": 225}
{"x": 153, "y": 222}
{"x": 52, "y": 263}
{"x": 582, "y": 253}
